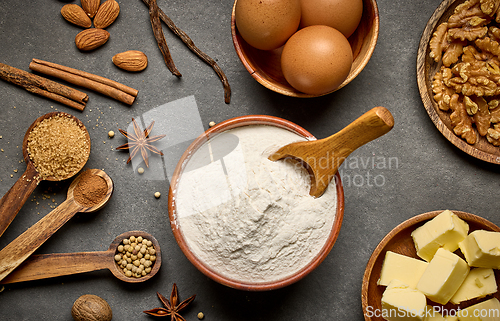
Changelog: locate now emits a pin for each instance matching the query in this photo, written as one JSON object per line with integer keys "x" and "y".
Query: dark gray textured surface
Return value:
{"x": 430, "y": 173}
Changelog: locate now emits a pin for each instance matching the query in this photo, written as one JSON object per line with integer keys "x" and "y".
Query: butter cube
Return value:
{"x": 445, "y": 230}
{"x": 401, "y": 267}
{"x": 433, "y": 314}
{"x": 488, "y": 310}
{"x": 443, "y": 276}
{"x": 400, "y": 302}
{"x": 479, "y": 283}
{"x": 482, "y": 249}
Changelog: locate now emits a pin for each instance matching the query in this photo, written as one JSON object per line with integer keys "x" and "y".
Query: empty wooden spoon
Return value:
{"x": 14, "y": 199}
{"x": 323, "y": 157}
{"x": 17, "y": 251}
{"x": 45, "y": 266}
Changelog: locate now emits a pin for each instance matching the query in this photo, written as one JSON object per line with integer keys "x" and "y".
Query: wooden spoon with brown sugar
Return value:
{"x": 88, "y": 192}
{"x": 14, "y": 199}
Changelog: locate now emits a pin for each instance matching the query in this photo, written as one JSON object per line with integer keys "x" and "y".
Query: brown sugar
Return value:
{"x": 90, "y": 190}
{"x": 58, "y": 147}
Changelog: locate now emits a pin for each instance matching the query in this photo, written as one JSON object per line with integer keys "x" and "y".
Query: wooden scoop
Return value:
{"x": 45, "y": 266}
{"x": 17, "y": 251}
{"x": 323, "y": 157}
{"x": 14, "y": 199}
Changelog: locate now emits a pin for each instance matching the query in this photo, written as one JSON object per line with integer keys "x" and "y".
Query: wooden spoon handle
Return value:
{"x": 17, "y": 251}
{"x": 335, "y": 149}
{"x": 372, "y": 124}
{"x": 14, "y": 199}
{"x": 45, "y": 266}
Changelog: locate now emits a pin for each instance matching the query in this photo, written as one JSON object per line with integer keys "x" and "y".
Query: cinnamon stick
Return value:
{"x": 154, "y": 17}
{"x": 84, "y": 79}
{"x": 190, "y": 44}
{"x": 44, "y": 87}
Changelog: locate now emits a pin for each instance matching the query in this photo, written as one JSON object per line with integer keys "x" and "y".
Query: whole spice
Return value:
{"x": 131, "y": 60}
{"x": 91, "y": 307}
{"x": 154, "y": 16}
{"x": 91, "y": 7}
{"x": 100, "y": 84}
{"x": 190, "y": 44}
{"x": 58, "y": 146}
{"x": 90, "y": 189}
{"x": 107, "y": 14}
{"x": 136, "y": 256}
{"x": 44, "y": 87}
{"x": 76, "y": 15}
{"x": 140, "y": 141}
{"x": 90, "y": 39}
{"x": 172, "y": 307}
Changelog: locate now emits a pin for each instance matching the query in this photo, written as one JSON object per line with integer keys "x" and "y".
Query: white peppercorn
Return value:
{"x": 135, "y": 256}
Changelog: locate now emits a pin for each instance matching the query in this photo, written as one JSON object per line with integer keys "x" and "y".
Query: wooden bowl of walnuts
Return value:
{"x": 448, "y": 72}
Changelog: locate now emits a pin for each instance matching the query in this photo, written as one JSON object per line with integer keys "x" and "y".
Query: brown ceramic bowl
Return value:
{"x": 265, "y": 67}
{"x": 177, "y": 229}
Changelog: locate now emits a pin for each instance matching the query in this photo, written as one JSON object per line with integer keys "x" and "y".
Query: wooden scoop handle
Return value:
{"x": 369, "y": 126}
{"x": 17, "y": 251}
{"x": 323, "y": 157}
{"x": 18, "y": 194}
{"x": 45, "y": 266}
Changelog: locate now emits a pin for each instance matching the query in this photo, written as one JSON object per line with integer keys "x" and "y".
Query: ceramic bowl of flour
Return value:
{"x": 245, "y": 221}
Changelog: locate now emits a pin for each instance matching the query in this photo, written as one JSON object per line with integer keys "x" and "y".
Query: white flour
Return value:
{"x": 246, "y": 217}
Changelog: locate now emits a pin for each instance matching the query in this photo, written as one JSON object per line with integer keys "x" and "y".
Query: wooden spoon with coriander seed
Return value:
{"x": 88, "y": 192}
{"x": 39, "y": 133}
{"x": 46, "y": 266}
{"x": 322, "y": 158}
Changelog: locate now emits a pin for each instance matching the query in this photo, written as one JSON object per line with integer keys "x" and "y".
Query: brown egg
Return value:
{"x": 267, "y": 24}
{"x": 316, "y": 59}
{"x": 343, "y": 15}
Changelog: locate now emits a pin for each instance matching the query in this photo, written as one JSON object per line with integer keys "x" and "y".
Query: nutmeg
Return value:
{"x": 91, "y": 307}
{"x": 132, "y": 60}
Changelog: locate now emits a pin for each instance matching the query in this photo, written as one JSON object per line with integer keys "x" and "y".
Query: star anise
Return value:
{"x": 140, "y": 141}
{"x": 172, "y": 307}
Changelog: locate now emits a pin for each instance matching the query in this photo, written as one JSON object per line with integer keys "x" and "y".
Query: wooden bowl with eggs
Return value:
{"x": 265, "y": 65}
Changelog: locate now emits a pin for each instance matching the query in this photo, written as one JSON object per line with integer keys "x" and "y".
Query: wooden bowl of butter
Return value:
{"x": 243, "y": 220}
{"x": 398, "y": 265}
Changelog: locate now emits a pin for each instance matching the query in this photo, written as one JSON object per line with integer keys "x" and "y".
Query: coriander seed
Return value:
{"x": 157, "y": 194}
{"x": 200, "y": 315}
{"x": 111, "y": 134}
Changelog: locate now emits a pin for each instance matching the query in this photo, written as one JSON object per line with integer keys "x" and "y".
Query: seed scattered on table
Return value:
{"x": 157, "y": 194}
{"x": 200, "y": 315}
{"x": 140, "y": 170}
{"x": 111, "y": 134}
